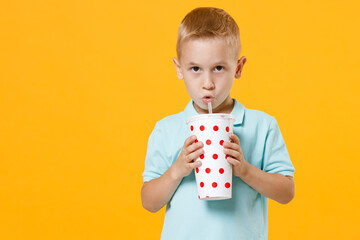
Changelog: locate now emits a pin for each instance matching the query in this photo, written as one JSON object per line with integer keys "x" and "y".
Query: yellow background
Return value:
{"x": 82, "y": 84}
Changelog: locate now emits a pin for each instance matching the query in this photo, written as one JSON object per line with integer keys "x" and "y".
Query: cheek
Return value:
{"x": 229, "y": 85}
{"x": 226, "y": 82}
{"x": 190, "y": 87}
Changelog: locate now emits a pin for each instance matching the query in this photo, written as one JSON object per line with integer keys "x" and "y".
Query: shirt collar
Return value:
{"x": 238, "y": 111}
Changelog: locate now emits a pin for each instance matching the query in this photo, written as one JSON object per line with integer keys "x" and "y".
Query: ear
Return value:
{"x": 178, "y": 69}
{"x": 240, "y": 64}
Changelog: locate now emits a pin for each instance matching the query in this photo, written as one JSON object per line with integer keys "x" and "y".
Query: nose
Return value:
{"x": 208, "y": 82}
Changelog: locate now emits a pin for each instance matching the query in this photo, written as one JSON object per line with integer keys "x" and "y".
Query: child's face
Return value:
{"x": 208, "y": 68}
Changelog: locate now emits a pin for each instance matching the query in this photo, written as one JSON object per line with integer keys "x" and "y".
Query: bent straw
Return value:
{"x": 209, "y": 108}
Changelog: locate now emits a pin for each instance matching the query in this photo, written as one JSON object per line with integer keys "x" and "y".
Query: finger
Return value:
{"x": 232, "y": 153}
{"x": 234, "y": 138}
{"x": 232, "y": 145}
{"x": 190, "y": 140}
{"x": 195, "y": 164}
{"x": 233, "y": 161}
{"x": 194, "y": 155}
{"x": 194, "y": 147}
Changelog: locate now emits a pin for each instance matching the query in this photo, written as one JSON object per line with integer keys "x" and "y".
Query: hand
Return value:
{"x": 235, "y": 155}
{"x": 185, "y": 163}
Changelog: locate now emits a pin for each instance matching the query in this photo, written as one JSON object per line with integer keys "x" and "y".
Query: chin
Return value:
{"x": 201, "y": 106}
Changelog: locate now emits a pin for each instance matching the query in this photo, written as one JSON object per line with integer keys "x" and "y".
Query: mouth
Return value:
{"x": 207, "y": 99}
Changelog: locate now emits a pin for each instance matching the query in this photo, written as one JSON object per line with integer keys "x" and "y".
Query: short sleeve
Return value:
{"x": 276, "y": 156}
{"x": 156, "y": 162}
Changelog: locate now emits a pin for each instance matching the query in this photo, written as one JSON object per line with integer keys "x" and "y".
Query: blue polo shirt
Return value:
{"x": 244, "y": 216}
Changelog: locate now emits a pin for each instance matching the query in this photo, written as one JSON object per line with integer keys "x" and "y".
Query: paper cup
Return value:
{"x": 214, "y": 177}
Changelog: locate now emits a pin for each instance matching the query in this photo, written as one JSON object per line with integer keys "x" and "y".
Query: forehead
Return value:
{"x": 206, "y": 51}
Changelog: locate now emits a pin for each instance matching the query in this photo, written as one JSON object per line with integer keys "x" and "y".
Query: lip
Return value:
{"x": 207, "y": 99}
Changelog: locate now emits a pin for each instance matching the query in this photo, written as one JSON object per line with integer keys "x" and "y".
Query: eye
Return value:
{"x": 219, "y": 68}
{"x": 195, "y": 69}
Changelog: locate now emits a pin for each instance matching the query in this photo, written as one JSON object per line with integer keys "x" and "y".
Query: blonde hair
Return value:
{"x": 207, "y": 22}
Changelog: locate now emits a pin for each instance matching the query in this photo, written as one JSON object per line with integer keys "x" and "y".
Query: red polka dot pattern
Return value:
{"x": 212, "y": 176}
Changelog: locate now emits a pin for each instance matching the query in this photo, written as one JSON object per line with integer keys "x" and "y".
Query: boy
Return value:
{"x": 208, "y": 50}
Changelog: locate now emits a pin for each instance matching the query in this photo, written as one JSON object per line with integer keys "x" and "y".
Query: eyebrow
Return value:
{"x": 192, "y": 64}
{"x": 215, "y": 64}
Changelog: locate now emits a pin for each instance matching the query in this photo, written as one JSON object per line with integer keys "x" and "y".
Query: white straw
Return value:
{"x": 209, "y": 108}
